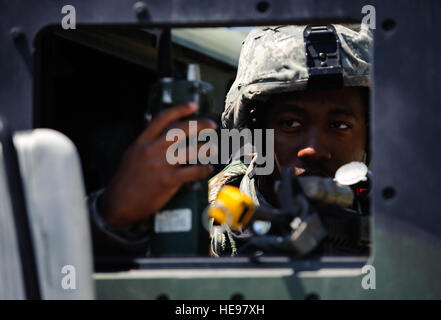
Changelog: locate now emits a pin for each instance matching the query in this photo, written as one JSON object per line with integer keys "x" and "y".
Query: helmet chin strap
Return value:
{"x": 366, "y": 160}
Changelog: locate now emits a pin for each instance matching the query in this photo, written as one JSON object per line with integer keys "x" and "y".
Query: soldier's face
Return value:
{"x": 318, "y": 132}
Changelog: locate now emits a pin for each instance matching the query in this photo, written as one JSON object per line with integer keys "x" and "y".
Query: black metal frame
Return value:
{"x": 21, "y": 220}
{"x": 405, "y": 100}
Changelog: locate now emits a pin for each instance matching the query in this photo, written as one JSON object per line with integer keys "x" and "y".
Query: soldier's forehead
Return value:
{"x": 347, "y": 101}
{"x": 341, "y": 94}
{"x": 331, "y": 110}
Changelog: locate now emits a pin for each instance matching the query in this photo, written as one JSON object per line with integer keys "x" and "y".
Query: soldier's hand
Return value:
{"x": 145, "y": 181}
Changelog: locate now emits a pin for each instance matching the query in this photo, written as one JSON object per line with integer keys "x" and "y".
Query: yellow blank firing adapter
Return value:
{"x": 232, "y": 207}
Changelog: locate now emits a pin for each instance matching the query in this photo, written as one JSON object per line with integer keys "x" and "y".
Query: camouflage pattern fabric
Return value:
{"x": 234, "y": 169}
{"x": 273, "y": 60}
{"x": 222, "y": 237}
{"x": 219, "y": 234}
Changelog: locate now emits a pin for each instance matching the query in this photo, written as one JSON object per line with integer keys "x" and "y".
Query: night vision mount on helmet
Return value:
{"x": 292, "y": 58}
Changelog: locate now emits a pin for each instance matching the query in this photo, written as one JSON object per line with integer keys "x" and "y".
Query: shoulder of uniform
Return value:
{"x": 233, "y": 170}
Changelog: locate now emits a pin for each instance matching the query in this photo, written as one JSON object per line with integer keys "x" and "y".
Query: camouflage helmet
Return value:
{"x": 273, "y": 60}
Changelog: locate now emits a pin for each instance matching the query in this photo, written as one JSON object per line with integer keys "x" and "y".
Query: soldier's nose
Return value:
{"x": 313, "y": 153}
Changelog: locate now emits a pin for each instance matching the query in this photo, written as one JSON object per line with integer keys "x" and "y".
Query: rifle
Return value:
{"x": 315, "y": 215}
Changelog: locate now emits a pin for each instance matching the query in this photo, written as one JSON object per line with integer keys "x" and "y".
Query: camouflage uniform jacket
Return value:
{"x": 225, "y": 241}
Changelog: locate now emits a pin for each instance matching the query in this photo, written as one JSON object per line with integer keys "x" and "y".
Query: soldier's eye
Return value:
{"x": 339, "y": 125}
{"x": 291, "y": 123}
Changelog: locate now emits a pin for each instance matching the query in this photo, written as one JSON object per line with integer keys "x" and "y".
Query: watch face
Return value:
{"x": 351, "y": 173}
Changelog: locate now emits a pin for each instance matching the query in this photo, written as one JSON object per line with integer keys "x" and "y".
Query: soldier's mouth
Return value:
{"x": 302, "y": 172}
